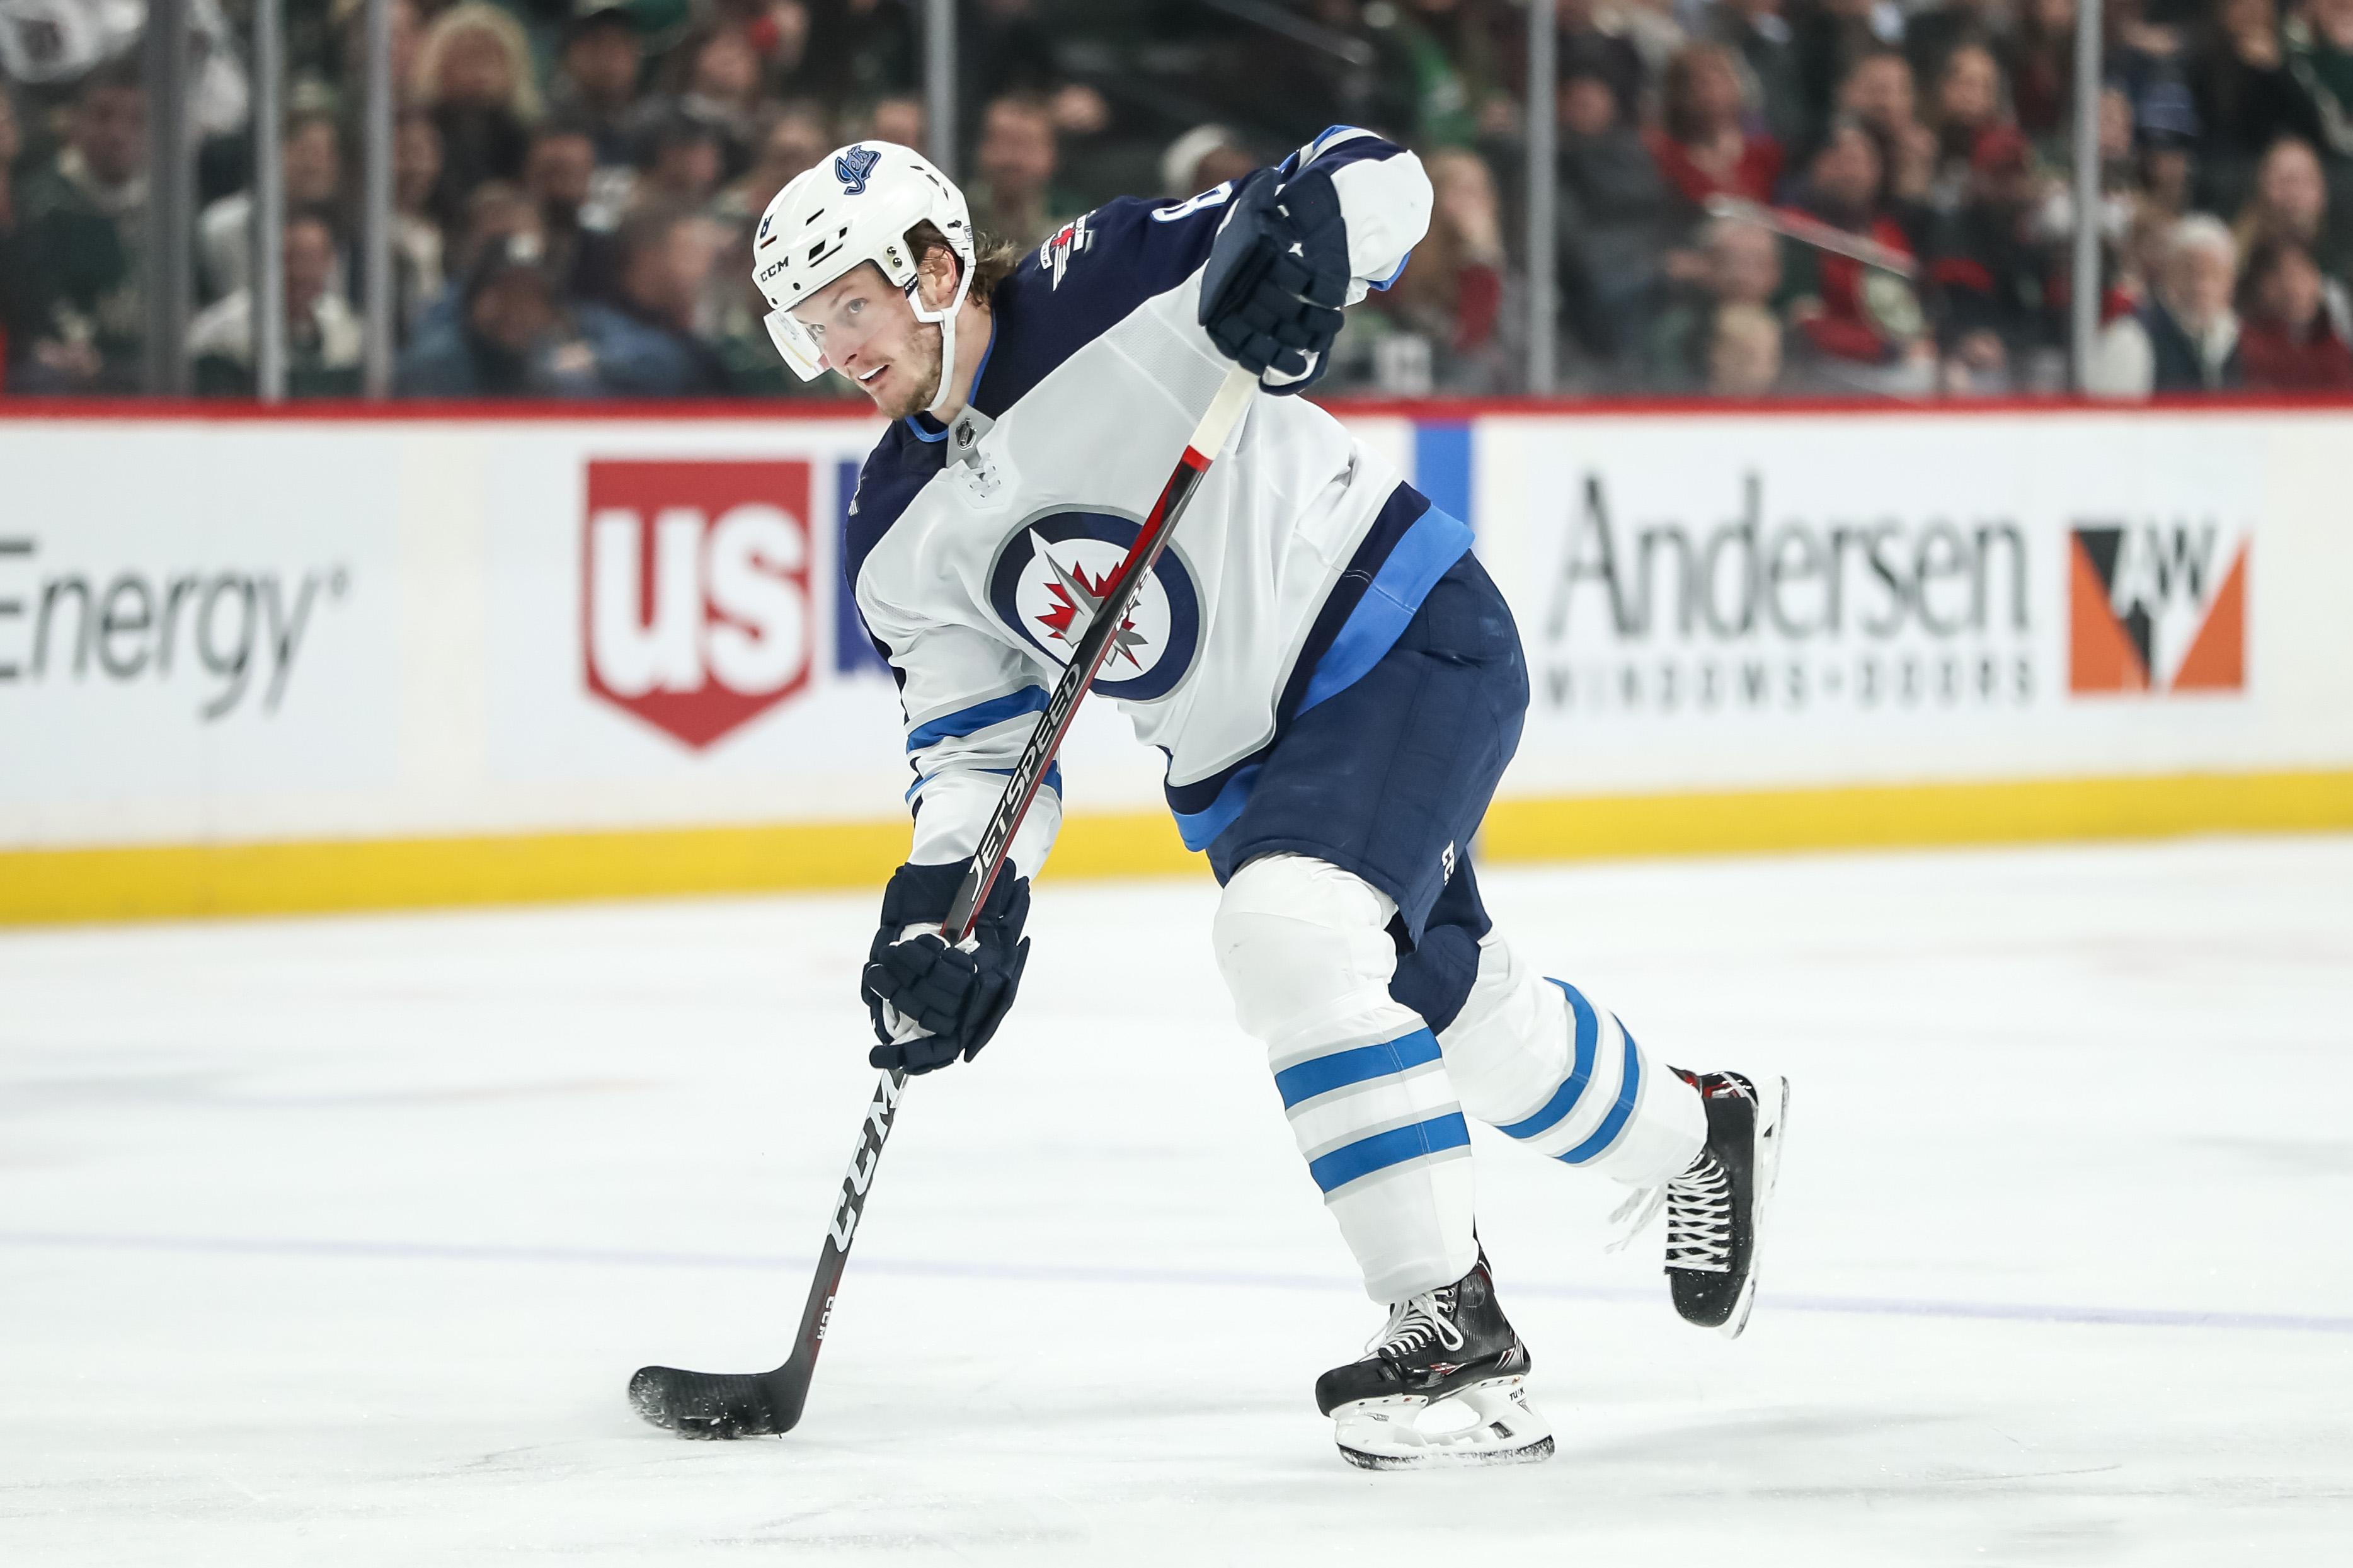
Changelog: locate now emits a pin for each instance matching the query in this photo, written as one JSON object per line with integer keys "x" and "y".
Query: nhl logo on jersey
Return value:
{"x": 1051, "y": 576}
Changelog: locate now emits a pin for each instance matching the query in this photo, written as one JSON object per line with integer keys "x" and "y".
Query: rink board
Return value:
{"x": 262, "y": 663}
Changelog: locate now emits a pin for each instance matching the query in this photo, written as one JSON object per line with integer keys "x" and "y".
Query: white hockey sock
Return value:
{"x": 1536, "y": 1059}
{"x": 1306, "y": 953}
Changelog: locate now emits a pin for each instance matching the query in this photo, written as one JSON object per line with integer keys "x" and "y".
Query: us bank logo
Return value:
{"x": 2157, "y": 609}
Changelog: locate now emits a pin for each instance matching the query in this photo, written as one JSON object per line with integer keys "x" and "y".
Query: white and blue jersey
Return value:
{"x": 977, "y": 553}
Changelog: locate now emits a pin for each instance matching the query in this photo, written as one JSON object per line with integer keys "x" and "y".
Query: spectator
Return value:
{"x": 1744, "y": 352}
{"x": 1759, "y": 35}
{"x": 2290, "y": 201}
{"x": 1878, "y": 95}
{"x": 557, "y": 172}
{"x": 1616, "y": 213}
{"x": 1832, "y": 35}
{"x": 2320, "y": 57}
{"x": 1452, "y": 291}
{"x": 2042, "y": 69}
{"x": 598, "y": 73}
{"x": 324, "y": 339}
{"x": 647, "y": 346}
{"x": 1861, "y": 326}
{"x": 473, "y": 74}
{"x": 2185, "y": 337}
{"x": 417, "y": 237}
{"x": 1968, "y": 108}
{"x": 1012, "y": 196}
{"x": 898, "y": 119}
{"x": 12, "y": 263}
{"x": 509, "y": 335}
{"x": 1203, "y": 159}
{"x": 1933, "y": 33}
{"x": 2246, "y": 97}
{"x": 1740, "y": 266}
{"x": 680, "y": 162}
{"x": 1703, "y": 146}
{"x": 313, "y": 169}
{"x": 2289, "y": 340}
{"x": 796, "y": 138}
{"x": 1999, "y": 278}
{"x": 406, "y": 27}
{"x": 723, "y": 90}
{"x": 81, "y": 223}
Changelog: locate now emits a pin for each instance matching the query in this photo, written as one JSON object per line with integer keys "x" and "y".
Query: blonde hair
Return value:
{"x": 478, "y": 16}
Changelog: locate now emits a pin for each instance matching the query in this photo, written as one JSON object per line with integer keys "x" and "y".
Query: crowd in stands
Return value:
{"x": 1752, "y": 197}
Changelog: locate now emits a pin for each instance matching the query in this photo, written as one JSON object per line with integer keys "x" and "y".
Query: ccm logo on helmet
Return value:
{"x": 854, "y": 167}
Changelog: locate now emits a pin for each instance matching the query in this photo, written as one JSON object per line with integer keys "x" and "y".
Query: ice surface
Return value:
{"x": 335, "y": 1241}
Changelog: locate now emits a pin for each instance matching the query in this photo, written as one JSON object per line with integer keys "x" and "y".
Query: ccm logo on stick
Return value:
{"x": 696, "y": 592}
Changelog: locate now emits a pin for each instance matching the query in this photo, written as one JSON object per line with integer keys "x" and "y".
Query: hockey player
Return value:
{"x": 1336, "y": 681}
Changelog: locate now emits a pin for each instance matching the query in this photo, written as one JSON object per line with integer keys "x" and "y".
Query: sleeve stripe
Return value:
{"x": 979, "y": 716}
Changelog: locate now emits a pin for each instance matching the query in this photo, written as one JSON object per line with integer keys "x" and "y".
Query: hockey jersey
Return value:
{"x": 977, "y": 551}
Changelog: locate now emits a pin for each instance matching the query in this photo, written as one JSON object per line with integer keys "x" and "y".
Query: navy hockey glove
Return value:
{"x": 932, "y": 1002}
{"x": 1277, "y": 276}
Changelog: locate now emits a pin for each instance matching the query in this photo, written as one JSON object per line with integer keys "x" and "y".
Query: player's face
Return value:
{"x": 868, "y": 332}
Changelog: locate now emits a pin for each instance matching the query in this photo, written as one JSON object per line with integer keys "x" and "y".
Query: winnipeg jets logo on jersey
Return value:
{"x": 1050, "y": 578}
{"x": 854, "y": 168}
{"x": 1073, "y": 238}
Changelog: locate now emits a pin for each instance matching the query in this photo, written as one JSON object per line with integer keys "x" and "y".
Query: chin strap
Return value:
{"x": 946, "y": 320}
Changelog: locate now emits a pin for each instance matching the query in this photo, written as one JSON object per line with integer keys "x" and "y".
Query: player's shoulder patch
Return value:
{"x": 1065, "y": 245}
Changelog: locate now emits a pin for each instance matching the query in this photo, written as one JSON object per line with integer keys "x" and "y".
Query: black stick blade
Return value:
{"x": 706, "y": 1403}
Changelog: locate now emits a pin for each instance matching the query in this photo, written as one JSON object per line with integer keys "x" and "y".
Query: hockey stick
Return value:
{"x": 748, "y": 1404}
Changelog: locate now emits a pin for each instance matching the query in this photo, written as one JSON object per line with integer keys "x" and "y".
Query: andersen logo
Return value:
{"x": 695, "y": 601}
{"x": 2153, "y": 609}
{"x": 1768, "y": 610}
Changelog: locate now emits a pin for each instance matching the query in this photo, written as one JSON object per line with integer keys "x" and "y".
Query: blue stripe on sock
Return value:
{"x": 1630, "y": 1082}
{"x": 1341, "y": 1068}
{"x": 1395, "y": 1147}
{"x": 1572, "y": 1088}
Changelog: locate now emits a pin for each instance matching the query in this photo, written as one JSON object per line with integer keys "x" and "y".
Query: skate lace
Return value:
{"x": 1416, "y": 1323}
{"x": 1699, "y": 1217}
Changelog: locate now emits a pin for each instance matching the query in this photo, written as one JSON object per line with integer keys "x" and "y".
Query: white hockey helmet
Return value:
{"x": 855, "y": 206}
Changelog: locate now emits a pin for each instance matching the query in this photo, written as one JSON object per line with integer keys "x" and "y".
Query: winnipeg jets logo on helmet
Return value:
{"x": 853, "y": 166}
{"x": 1049, "y": 583}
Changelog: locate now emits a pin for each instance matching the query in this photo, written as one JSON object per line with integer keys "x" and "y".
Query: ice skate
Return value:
{"x": 1715, "y": 1210}
{"x": 1444, "y": 1382}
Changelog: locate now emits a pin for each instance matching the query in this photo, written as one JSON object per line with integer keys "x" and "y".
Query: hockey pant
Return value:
{"x": 1376, "y": 1100}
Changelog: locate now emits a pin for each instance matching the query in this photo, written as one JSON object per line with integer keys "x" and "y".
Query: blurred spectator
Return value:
{"x": 598, "y": 73}
{"x": 1452, "y": 291}
{"x": 2043, "y": 69}
{"x": 1616, "y": 213}
{"x": 1758, "y": 35}
{"x": 1203, "y": 159}
{"x": 679, "y": 162}
{"x": 416, "y": 237}
{"x": 1966, "y": 108}
{"x": 313, "y": 165}
{"x": 324, "y": 337}
{"x": 408, "y": 29}
{"x": 2246, "y": 97}
{"x": 1935, "y": 32}
{"x": 1861, "y": 326}
{"x": 12, "y": 263}
{"x": 2290, "y": 202}
{"x": 647, "y": 346}
{"x": 2320, "y": 57}
{"x": 81, "y": 223}
{"x": 2289, "y": 340}
{"x": 509, "y": 335}
{"x": 2000, "y": 278}
{"x": 722, "y": 89}
{"x": 1744, "y": 352}
{"x": 556, "y": 174}
{"x": 1703, "y": 145}
{"x": 1831, "y": 37}
{"x": 2185, "y": 338}
{"x": 898, "y": 119}
{"x": 1012, "y": 194}
{"x": 1878, "y": 95}
{"x": 1740, "y": 266}
{"x": 473, "y": 74}
{"x": 797, "y": 137}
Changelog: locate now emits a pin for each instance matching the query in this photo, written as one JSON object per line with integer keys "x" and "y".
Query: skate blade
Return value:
{"x": 1393, "y": 1434}
{"x": 1764, "y": 1168}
